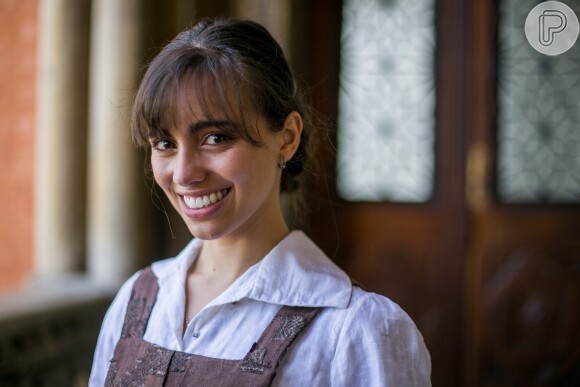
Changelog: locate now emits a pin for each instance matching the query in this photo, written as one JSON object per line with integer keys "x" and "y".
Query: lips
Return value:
{"x": 197, "y": 202}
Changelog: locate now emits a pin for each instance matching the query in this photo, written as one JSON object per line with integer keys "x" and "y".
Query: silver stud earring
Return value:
{"x": 282, "y": 163}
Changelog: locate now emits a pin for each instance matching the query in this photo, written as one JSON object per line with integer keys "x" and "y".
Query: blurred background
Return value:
{"x": 449, "y": 180}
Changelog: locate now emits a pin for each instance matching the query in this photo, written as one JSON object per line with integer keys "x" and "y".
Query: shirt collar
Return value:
{"x": 295, "y": 273}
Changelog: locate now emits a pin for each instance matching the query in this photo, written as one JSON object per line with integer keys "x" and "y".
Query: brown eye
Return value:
{"x": 163, "y": 145}
{"x": 216, "y": 139}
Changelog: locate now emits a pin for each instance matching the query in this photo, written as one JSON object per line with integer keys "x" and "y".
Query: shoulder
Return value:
{"x": 164, "y": 267}
{"x": 387, "y": 346}
{"x": 367, "y": 306}
{"x": 160, "y": 269}
{"x": 373, "y": 315}
{"x": 111, "y": 332}
{"x": 115, "y": 315}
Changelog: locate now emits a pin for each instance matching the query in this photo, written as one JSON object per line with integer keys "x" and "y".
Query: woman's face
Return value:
{"x": 220, "y": 184}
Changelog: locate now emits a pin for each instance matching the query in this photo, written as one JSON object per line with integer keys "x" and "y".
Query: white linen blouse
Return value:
{"x": 358, "y": 339}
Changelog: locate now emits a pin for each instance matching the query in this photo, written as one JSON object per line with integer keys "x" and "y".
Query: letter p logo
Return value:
{"x": 552, "y": 22}
{"x": 552, "y": 28}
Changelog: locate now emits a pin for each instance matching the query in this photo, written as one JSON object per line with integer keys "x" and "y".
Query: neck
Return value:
{"x": 229, "y": 257}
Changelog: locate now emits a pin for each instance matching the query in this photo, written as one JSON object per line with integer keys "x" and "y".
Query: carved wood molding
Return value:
{"x": 531, "y": 318}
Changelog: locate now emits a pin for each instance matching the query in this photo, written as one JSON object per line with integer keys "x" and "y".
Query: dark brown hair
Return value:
{"x": 236, "y": 64}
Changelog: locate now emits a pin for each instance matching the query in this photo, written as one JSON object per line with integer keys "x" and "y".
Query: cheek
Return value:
{"x": 258, "y": 173}
{"x": 160, "y": 173}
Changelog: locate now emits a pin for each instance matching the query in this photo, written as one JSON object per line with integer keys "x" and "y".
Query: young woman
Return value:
{"x": 247, "y": 302}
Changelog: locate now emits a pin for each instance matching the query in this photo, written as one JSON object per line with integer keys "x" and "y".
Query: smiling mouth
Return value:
{"x": 197, "y": 202}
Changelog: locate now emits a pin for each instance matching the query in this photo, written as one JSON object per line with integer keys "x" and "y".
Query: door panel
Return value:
{"x": 527, "y": 297}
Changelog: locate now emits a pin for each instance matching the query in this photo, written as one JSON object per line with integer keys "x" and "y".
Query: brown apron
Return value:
{"x": 139, "y": 363}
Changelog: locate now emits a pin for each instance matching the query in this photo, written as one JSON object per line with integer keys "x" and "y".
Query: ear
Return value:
{"x": 289, "y": 136}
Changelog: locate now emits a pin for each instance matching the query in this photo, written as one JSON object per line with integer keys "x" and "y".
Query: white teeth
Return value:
{"x": 189, "y": 201}
{"x": 205, "y": 200}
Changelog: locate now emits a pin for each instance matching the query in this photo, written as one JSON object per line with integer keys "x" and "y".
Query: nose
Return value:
{"x": 188, "y": 169}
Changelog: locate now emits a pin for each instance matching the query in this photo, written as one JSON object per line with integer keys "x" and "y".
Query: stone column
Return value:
{"x": 117, "y": 236}
{"x": 61, "y": 139}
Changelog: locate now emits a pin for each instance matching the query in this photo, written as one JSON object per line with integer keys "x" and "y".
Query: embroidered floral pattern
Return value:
{"x": 291, "y": 326}
{"x": 179, "y": 362}
{"x": 113, "y": 369}
{"x": 157, "y": 359}
{"x": 134, "y": 325}
{"x": 154, "y": 362}
{"x": 254, "y": 362}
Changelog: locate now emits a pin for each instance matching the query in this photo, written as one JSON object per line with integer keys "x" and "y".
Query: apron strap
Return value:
{"x": 140, "y": 304}
{"x": 267, "y": 352}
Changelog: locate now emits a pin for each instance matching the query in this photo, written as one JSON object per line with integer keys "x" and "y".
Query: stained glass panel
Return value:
{"x": 538, "y": 127}
{"x": 386, "y": 117}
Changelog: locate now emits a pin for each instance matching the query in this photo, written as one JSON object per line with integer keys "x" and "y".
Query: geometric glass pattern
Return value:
{"x": 386, "y": 120}
{"x": 538, "y": 122}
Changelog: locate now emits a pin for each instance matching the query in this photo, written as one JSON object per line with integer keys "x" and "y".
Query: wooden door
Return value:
{"x": 522, "y": 281}
{"x": 493, "y": 286}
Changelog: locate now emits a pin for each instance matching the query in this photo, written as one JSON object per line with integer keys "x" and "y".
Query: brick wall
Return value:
{"x": 18, "y": 28}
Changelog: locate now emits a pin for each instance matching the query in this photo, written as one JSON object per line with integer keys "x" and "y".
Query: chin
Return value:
{"x": 204, "y": 233}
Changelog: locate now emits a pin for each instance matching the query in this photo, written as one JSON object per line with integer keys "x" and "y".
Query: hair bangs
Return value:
{"x": 214, "y": 83}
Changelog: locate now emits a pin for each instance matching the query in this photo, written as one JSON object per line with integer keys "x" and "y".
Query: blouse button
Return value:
{"x": 195, "y": 334}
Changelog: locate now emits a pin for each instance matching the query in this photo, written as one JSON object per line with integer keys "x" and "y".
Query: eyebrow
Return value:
{"x": 196, "y": 127}
{"x": 200, "y": 125}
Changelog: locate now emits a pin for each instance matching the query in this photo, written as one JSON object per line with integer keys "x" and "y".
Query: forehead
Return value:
{"x": 194, "y": 98}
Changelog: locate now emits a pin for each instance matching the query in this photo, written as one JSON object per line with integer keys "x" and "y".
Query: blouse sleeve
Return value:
{"x": 110, "y": 334}
{"x": 379, "y": 345}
